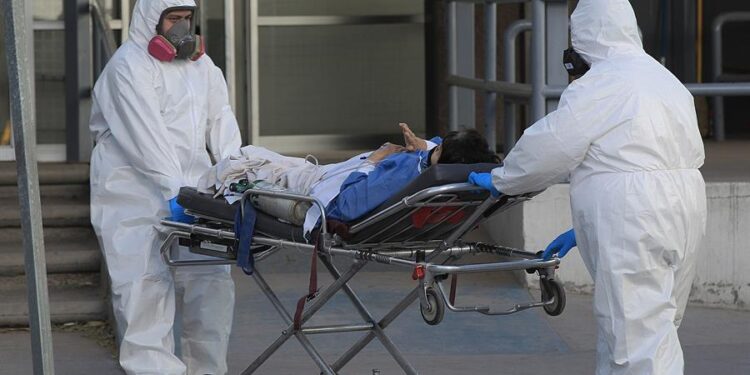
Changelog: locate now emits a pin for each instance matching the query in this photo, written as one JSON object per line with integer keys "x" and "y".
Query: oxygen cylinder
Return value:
{"x": 285, "y": 209}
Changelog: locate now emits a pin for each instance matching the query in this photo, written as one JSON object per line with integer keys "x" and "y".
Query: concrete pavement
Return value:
{"x": 715, "y": 341}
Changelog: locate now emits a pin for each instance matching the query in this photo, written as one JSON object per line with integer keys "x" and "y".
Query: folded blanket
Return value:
{"x": 257, "y": 163}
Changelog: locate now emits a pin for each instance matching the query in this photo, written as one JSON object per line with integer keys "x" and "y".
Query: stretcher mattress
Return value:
{"x": 217, "y": 208}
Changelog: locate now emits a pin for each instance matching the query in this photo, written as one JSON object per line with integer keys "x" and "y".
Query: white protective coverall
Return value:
{"x": 157, "y": 125}
{"x": 626, "y": 135}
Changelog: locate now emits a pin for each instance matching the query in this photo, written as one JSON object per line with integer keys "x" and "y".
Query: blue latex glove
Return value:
{"x": 561, "y": 245}
{"x": 178, "y": 212}
{"x": 483, "y": 180}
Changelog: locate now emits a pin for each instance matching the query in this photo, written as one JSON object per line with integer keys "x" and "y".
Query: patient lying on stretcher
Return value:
{"x": 352, "y": 188}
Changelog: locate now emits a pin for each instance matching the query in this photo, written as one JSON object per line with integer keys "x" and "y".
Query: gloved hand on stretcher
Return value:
{"x": 178, "y": 212}
{"x": 561, "y": 245}
{"x": 483, "y": 180}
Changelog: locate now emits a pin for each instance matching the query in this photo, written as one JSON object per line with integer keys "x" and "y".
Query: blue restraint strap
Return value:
{"x": 243, "y": 231}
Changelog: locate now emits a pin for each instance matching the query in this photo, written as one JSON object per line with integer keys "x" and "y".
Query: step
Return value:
{"x": 82, "y": 255}
{"x": 72, "y": 298}
{"x": 49, "y": 173}
{"x": 55, "y": 213}
{"x": 76, "y": 192}
{"x": 51, "y": 234}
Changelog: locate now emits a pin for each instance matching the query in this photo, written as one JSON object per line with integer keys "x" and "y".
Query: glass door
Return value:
{"x": 334, "y": 74}
{"x": 6, "y": 148}
{"x": 49, "y": 75}
{"x": 49, "y": 81}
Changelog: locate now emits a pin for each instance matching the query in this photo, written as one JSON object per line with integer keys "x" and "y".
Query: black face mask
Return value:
{"x": 574, "y": 63}
{"x": 182, "y": 38}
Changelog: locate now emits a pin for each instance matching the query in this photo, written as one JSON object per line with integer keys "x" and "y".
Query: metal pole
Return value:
{"x": 230, "y": 52}
{"x": 125, "y": 17}
{"x": 556, "y": 41}
{"x": 538, "y": 76}
{"x": 717, "y": 60}
{"x": 465, "y": 62}
{"x": 254, "y": 75}
{"x": 490, "y": 71}
{"x": 717, "y": 67}
{"x": 72, "y": 90}
{"x": 509, "y": 75}
{"x": 18, "y": 44}
{"x": 723, "y": 89}
{"x": 452, "y": 66}
{"x": 203, "y": 23}
{"x": 697, "y": 89}
{"x": 78, "y": 79}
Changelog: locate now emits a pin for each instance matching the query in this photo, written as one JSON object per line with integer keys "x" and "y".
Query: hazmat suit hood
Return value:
{"x": 601, "y": 29}
{"x": 146, "y": 16}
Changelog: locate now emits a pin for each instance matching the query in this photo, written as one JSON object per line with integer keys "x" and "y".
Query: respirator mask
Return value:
{"x": 574, "y": 63}
{"x": 180, "y": 42}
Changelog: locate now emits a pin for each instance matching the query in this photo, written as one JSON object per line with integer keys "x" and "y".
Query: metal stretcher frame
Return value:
{"x": 419, "y": 256}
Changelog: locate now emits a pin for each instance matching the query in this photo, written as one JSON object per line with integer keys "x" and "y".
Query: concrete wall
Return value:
{"x": 723, "y": 270}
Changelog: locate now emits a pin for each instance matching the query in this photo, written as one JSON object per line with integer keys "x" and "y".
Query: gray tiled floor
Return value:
{"x": 715, "y": 341}
{"x": 526, "y": 343}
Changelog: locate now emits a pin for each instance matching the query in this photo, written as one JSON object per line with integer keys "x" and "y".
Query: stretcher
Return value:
{"x": 420, "y": 229}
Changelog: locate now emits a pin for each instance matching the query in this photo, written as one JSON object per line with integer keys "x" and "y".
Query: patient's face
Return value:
{"x": 436, "y": 155}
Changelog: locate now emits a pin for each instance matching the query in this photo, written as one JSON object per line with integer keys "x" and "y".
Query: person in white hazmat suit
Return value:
{"x": 160, "y": 115}
{"x": 626, "y": 136}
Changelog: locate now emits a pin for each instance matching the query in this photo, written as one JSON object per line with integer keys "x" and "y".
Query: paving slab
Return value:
{"x": 714, "y": 340}
{"x": 529, "y": 342}
{"x": 74, "y": 354}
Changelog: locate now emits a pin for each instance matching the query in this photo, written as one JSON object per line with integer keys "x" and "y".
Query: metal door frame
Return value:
{"x": 547, "y": 16}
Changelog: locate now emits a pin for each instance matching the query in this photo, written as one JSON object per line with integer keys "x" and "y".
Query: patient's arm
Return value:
{"x": 361, "y": 192}
{"x": 385, "y": 151}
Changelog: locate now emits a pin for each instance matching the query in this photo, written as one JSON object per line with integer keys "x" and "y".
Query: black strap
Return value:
{"x": 312, "y": 289}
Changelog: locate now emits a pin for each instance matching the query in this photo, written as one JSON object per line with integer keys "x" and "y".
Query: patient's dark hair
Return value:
{"x": 466, "y": 147}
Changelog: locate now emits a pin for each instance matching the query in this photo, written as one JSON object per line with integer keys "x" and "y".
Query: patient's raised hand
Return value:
{"x": 411, "y": 140}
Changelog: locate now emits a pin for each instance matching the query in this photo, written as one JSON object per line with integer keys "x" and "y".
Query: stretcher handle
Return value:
{"x": 442, "y": 189}
{"x": 505, "y": 250}
{"x": 498, "y": 266}
{"x": 166, "y": 255}
{"x": 197, "y": 229}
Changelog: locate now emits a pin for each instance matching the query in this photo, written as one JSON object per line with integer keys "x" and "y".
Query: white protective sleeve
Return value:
{"x": 554, "y": 146}
{"x": 222, "y": 133}
{"x": 135, "y": 120}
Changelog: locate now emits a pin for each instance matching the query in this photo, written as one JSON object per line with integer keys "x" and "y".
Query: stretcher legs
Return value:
{"x": 383, "y": 323}
{"x": 340, "y": 282}
{"x": 306, "y": 344}
{"x": 377, "y": 327}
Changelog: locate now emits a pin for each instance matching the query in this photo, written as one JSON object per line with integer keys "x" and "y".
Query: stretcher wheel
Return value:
{"x": 553, "y": 289}
{"x": 434, "y": 315}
